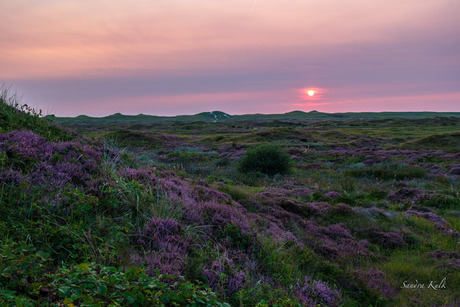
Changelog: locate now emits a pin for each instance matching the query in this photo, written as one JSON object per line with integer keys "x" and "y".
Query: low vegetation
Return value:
{"x": 231, "y": 214}
{"x": 266, "y": 159}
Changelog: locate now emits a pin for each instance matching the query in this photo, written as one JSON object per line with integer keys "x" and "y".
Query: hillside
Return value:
{"x": 168, "y": 216}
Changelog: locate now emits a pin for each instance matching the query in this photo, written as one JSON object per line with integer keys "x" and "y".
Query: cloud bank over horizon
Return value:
{"x": 184, "y": 57}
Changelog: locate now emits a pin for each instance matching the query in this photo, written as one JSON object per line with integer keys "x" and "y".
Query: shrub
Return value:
{"x": 266, "y": 159}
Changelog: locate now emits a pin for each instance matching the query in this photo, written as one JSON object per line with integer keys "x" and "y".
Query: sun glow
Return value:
{"x": 310, "y": 93}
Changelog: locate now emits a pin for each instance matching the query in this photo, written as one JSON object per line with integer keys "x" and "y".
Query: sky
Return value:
{"x": 158, "y": 57}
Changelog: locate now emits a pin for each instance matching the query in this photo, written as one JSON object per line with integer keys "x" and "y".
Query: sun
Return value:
{"x": 311, "y": 93}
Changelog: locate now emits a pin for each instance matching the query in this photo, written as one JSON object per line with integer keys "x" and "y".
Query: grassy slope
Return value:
{"x": 173, "y": 201}
{"x": 359, "y": 185}
{"x": 65, "y": 219}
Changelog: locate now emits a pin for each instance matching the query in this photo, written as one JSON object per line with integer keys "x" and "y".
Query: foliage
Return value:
{"x": 14, "y": 116}
{"x": 267, "y": 159}
{"x": 86, "y": 222}
{"x": 90, "y": 284}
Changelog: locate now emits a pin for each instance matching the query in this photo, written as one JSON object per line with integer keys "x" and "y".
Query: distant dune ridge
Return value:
{"x": 218, "y": 116}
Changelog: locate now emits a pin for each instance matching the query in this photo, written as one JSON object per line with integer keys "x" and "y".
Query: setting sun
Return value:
{"x": 311, "y": 93}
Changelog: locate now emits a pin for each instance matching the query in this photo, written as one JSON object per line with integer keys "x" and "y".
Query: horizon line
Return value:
{"x": 210, "y": 112}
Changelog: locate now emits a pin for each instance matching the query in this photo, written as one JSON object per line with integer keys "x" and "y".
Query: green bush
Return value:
{"x": 266, "y": 159}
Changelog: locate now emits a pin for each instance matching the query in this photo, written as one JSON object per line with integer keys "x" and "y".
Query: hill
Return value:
{"x": 217, "y": 116}
{"x": 167, "y": 217}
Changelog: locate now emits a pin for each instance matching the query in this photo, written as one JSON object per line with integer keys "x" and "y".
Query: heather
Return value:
{"x": 165, "y": 215}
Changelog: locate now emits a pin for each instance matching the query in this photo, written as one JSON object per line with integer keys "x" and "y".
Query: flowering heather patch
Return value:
{"x": 446, "y": 259}
{"x": 224, "y": 277}
{"x": 341, "y": 248}
{"x": 334, "y": 241}
{"x": 439, "y": 254}
{"x": 388, "y": 240}
{"x": 271, "y": 196}
{"x": 90, "y": 152}
{"x": 166, "y": 249}
{"x": 236, "y": 154}
{"x": 434, "y": 169}
{"x": 314, "y": 292}
{"x": 270, "y": 226}
{"x": 406, "y": 195}
{"x": 68, "y": 150}
{"x": 74, "y": 170}
{"x": 299, "y": 192}
{"x": 45, "y": 174}
{"x": 455, "y": 170}
{"x": 26, "y": 144}
{"x": 47, "y": 163}
{"x": 343, "y": 151}
{"x": 318, "y": 208}
{"x": 167, "y": 183}
{"x": 282, "y": 218}
{"x": 157, "y": 230}
{"x": 333, "y": 194}
{"x": 174, "y": 186}
{"x": 349, "y": 247}
{"x": 440, "y": 223}
{"x": 280, "y": 235}
{"x": 10, "y": 177}
{"x": 229, "y": 224}
{"x": 221, "y": 214}
{"x": 60, "y": 174}
{"x": 202, "y": 192}
{"x": 430, "y": 216}
{"x": 337, "y": 231}
{"x": 371, "y": 160}
{"x": 278, "y": 200}
{"x": 141, "y": 175}
{"x": 375, "y": 279}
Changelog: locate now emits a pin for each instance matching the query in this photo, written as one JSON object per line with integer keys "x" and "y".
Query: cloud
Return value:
{"x": 66, "y": 52}
{"x": 72, "y": 38}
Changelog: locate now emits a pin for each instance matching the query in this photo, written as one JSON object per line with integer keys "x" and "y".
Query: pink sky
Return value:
{"x": 184, "y": 57}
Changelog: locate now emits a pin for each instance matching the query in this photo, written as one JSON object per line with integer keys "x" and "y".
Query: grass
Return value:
{"x": 448, "y": 142}
{"x": 404, "y": 268}
{"x": 16, "y": 116}
{"x": 388, "y": 171}
{"x": 217, "y": 236}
